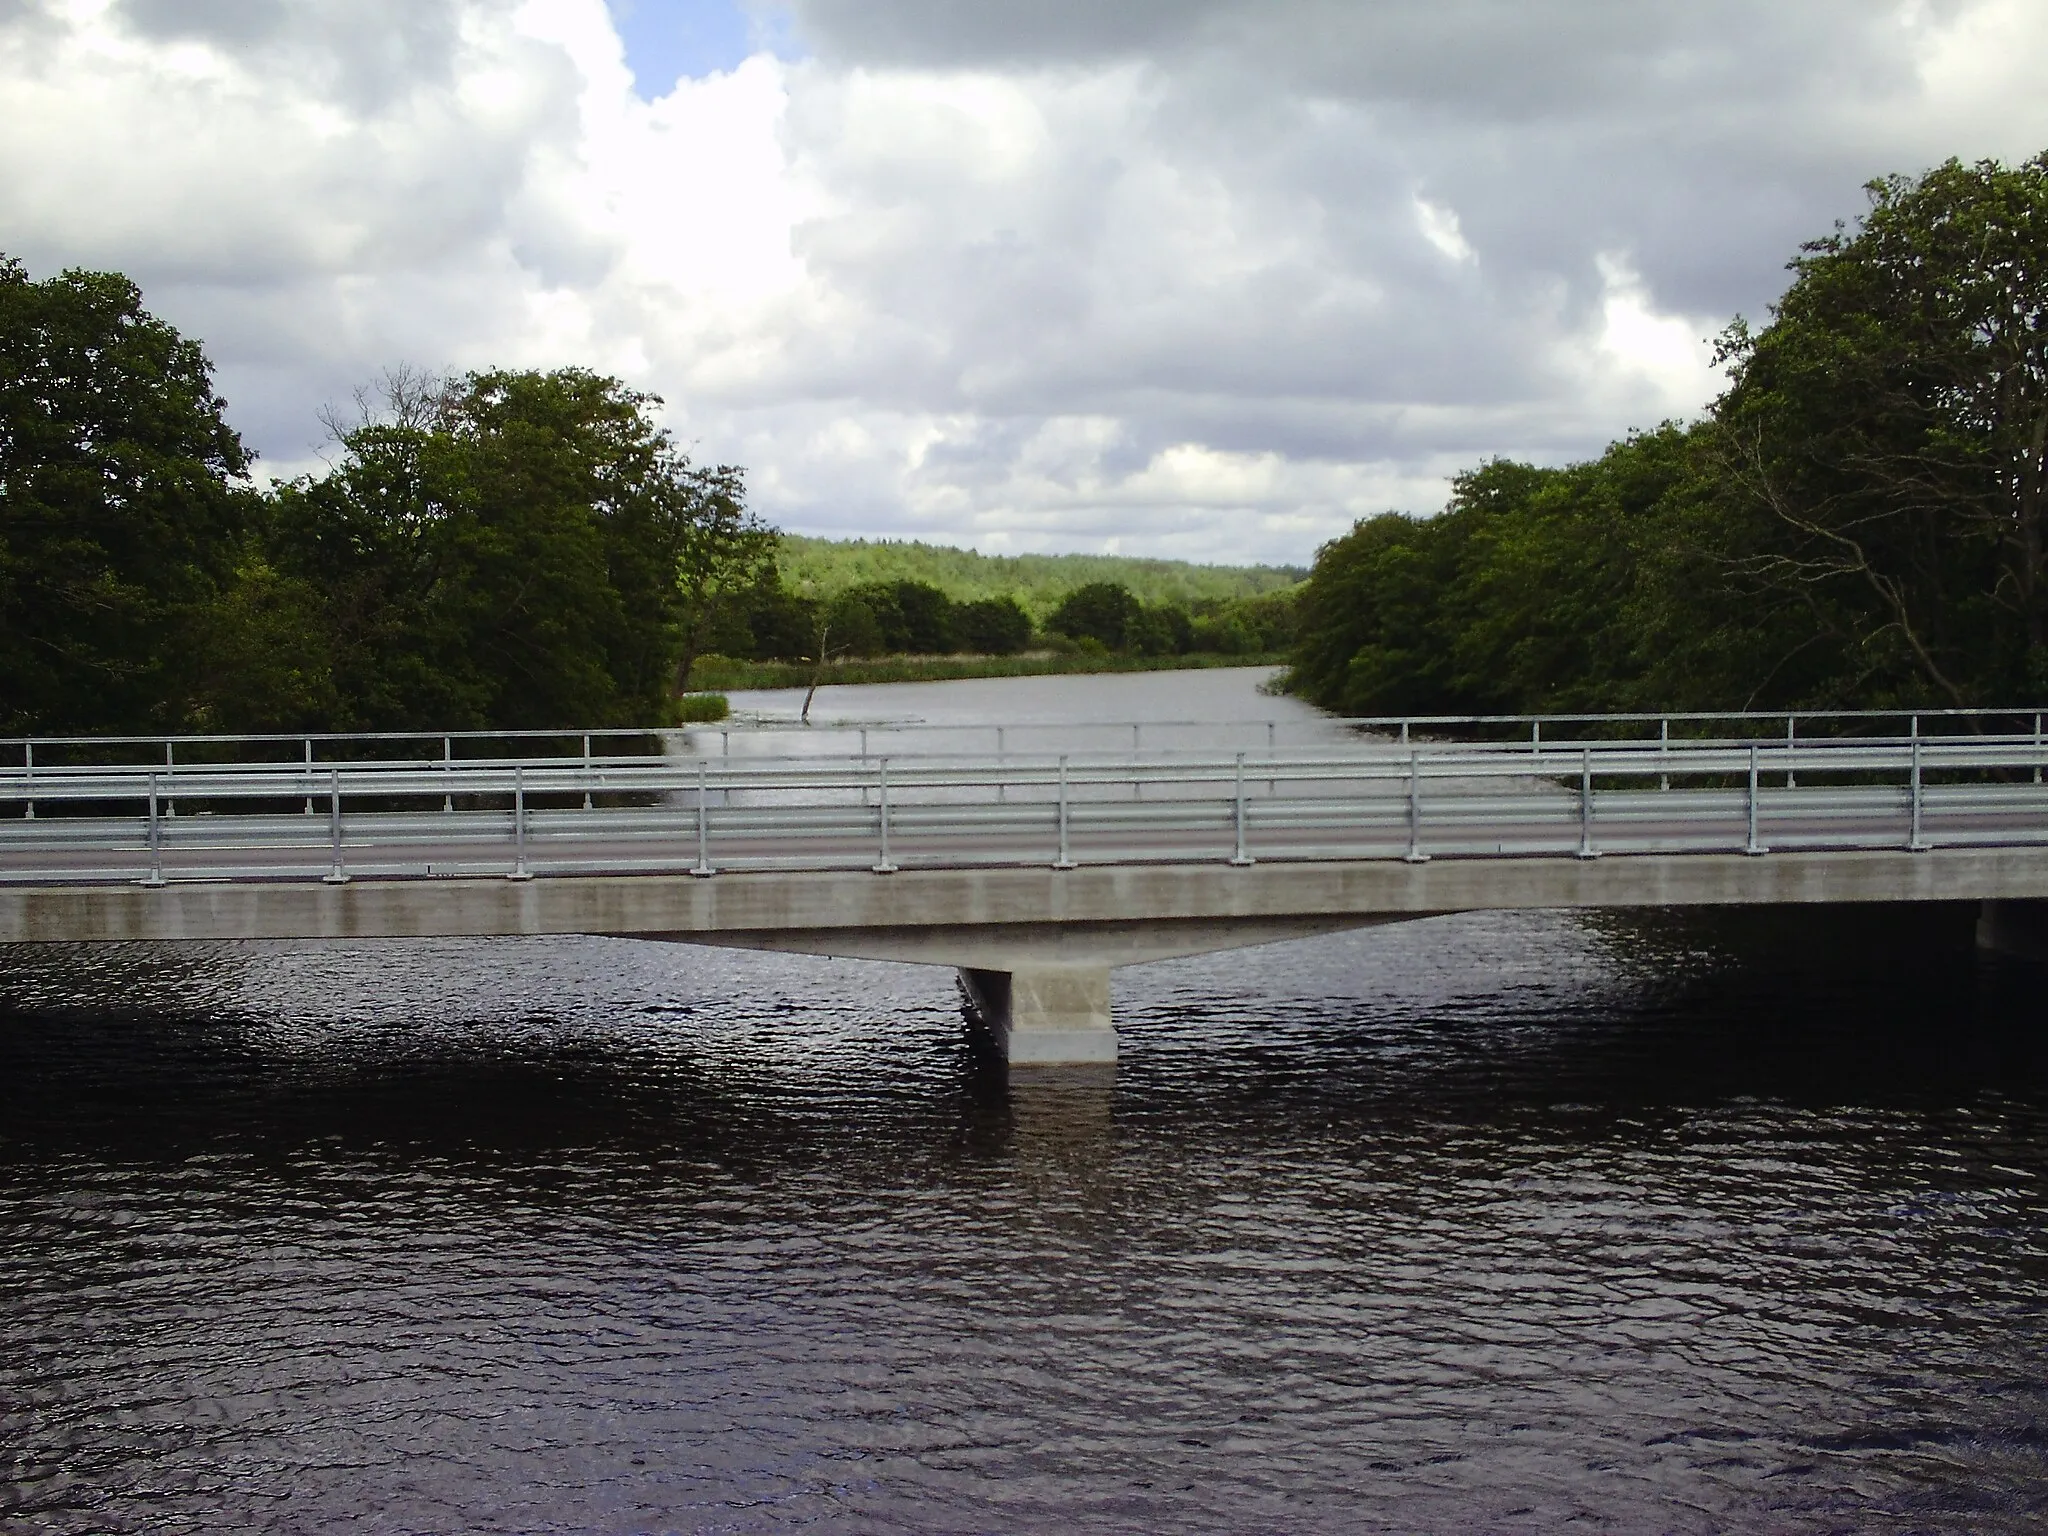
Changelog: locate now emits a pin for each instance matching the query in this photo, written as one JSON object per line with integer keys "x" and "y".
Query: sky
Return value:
{"x": 1208, "y": 279}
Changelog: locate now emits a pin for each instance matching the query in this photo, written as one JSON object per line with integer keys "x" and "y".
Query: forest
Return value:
{"x": 1039, "y": 583}
{"x": 503, "y": 550}
{"x": 1858, "y": 521}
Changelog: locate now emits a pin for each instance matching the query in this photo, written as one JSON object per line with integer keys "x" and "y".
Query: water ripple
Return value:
{"x": 1492, "y": 1222}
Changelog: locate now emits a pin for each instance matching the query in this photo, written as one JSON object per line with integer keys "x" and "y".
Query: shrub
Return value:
{"x": 1100, "y": 611}
{"x": 699, "y": 708}
{"x": 994, "y": 626}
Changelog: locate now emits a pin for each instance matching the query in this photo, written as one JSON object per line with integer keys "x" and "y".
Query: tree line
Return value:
{"x": 1859, "y": 520}
{"x": 503, "y": 550}
{"x": 1038, "y": 582}
{"x": 770, "y": 622}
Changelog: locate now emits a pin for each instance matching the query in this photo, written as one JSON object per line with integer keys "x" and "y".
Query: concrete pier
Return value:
{"x": 1036, "y": 945}
{"x": 2017, "y": 928}
{"x": 1045, "y": 1015}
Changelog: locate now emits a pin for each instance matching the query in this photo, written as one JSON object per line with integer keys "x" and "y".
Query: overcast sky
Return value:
{"x": 1203, "y": 278}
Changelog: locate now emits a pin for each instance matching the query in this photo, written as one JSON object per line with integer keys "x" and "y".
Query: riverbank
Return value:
{"x": 724, "y": 674}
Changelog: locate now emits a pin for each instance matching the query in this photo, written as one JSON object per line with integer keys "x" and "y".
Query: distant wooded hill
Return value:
{"x": 1038, "y": 582}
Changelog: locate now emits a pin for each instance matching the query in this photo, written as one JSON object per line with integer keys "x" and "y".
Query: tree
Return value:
{"x": 723, "y": 553}
{"x": 1377, "y": 633}
{"x": 1887, "y": 436}
{"x": 515, "y": 550}
{"x": 1099, "y": 611}
{"x": 926, "y": 617}
{"x": 1861, "y": 521}
{"x": 991, "y": 626}
{"x": 124, "y": 503}
{"x": 1159, "y": 629}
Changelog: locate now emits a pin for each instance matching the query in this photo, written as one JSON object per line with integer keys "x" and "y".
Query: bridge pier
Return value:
{"x": 1045, "y": 1015}
{"x": 2017, "y": 928}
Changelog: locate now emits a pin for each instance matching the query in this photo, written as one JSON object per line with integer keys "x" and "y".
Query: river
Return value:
{"x": 1499, "y": 1221}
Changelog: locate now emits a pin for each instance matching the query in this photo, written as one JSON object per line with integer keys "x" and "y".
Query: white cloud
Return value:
{"x": 1441, "y": 229}
{"x": 1042, "y": 277}
{"x": 1670, "y": 353}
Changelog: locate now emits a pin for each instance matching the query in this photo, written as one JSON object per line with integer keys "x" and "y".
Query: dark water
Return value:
{"x": 1495, "y": 1222}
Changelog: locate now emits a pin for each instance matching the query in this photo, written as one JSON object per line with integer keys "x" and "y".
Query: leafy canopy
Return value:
{"x": 123, "y": 504}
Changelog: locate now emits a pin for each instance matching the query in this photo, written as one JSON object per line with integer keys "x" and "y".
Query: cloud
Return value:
{"x": 1199, "y": 277}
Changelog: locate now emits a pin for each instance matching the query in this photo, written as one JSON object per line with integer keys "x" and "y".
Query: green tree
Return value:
{"x": 514, "y": 550}
{"x": 723, "y": 553}
{"x": 1886, "y": 437}
{"x": 1861, "y": 520}
{"x": 124, "y": 506}
{"x": 1100, "y": 611}
{"x": 1377, "y": 635}
{"x": 912, "y": 617}
{"x": 991, "y": 626}
{"x": 851, "y": 627}
{"x": 1159, "y": 629}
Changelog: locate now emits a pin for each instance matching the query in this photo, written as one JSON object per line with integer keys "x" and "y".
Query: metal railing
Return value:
{"x": 1364, "y": 797}
{"x": 868, "y": 739}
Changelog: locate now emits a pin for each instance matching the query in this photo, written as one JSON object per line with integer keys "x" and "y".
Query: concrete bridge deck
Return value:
{"x": 1033, "y": 877}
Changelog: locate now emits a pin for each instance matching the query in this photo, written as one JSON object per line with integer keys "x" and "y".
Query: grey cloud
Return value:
{"x": 1685, "y": 140}
{"x": 1194, "y": 222}
{"x": 1683, "y": 132}
{"x": 1500, "y": 57}
{"x": 364, "y": 56}
{"x": 950, "y": 33}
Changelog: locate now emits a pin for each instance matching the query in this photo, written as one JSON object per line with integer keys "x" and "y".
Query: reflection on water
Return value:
{"x": 1217, "y": 694}
{"x": 1201, "y": 710}
{"x": 1496, "y": 1220}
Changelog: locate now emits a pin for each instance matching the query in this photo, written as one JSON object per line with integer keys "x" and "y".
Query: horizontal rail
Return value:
{"x": 901, "y": 737}
{"x": 1367, "y": 798}
{"x": 1366, "y": 762}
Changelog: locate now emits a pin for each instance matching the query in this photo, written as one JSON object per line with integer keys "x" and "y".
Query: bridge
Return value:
{"x": 1033, "y": 859}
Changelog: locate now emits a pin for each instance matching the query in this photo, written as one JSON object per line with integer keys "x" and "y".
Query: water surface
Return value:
{"x": 1497, "y": 1221}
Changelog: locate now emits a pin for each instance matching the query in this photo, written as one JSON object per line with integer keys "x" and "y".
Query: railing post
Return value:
{"x": 519, "y": 869}
{"x": 1002, "y": 784}
{"x": 1752, "y": 846}
{"x": 884, "y": 866}
{"x": 1586, "y": 848}
{"x": 170, "y": 805}
{"x": 1916, "y": 843}
{"x": 1414, "y": 855}
{"x": 337, "y": 871}
{"x": 586, "y": 770}
{"x": 1240, "y": 857}
{"x": 155, "y": 878}
{"x": 1063, "y": 861}
{"x": 1404, "y": 733}
{"x": 309, "y": 774}
{"x": 29, "y": 778}
{"x": 1535, "y": 735}
{"x": 448, "y": 767}
{"x": 2037, "y": 748}
{"x": 1664, "y": 749}
{"x": 703, "y": 821}
{"x": 1791, "y": 778}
